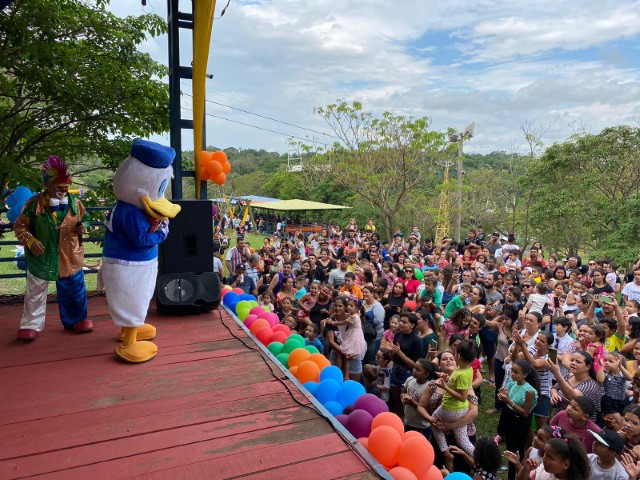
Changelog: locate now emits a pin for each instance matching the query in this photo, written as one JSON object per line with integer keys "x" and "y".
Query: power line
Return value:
{"x": 250, "y": 125}
{"x": 267, "y": 117}
{"x": 266, "y": 106}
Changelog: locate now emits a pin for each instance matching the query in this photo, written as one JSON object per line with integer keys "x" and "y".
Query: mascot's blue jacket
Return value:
{"x": 129, "y": 236}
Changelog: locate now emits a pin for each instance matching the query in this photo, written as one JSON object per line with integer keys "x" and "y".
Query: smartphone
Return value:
{"x": 553, "y": 355}
{"x": 604, "y": 299}
{"x": 556, "y": 302}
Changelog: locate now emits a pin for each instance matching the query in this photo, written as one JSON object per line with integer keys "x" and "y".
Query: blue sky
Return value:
{"x": 560, "y": 66}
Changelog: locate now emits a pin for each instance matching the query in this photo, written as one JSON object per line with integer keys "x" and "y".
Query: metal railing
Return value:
{"x": 92, "y": 238}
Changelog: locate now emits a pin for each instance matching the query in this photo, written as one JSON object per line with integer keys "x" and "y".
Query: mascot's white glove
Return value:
{"x": 164, "y": 227}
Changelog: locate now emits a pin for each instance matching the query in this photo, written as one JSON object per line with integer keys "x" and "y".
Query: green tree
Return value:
{"x": 72, "y": 83}
{"x": 383, "y": 160}
{"x": 582, "y": 189}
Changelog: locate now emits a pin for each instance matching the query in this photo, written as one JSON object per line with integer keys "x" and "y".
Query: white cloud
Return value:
{"x": 499, "y": 63}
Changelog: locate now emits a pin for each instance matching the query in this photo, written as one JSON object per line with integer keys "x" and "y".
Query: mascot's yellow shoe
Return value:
{"x": 133, "y": 351}
{"x": 145, "y": 332}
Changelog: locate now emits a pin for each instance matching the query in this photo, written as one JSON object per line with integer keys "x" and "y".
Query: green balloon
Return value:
{"x": 253, "y": 303}
{"x": 290, "y": 346}
{"x": 283, "y": 358}
{"x": 298, "y": 338}
{"x": 275, "y": 348}
{"x": 418, "y": 274}
{"x": 242, "y": 313}
{"x": 266, "y": 309}
{"x": 311, "y": 349}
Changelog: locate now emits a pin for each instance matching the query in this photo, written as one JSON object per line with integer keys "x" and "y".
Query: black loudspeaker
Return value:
{"x": 189, "y": 246}
{"x": 186, "y": 283}
{"x": 188, "y": 293}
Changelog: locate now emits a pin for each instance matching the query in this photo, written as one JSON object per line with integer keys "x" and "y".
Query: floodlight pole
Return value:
{"x": 459, "y": 193}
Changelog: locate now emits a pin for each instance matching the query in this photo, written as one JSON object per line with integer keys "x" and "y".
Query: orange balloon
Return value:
{"x": 213, "y": 168}
{"x": 204, "y": 175}
{"x": 219, "y": 157}
{"x": 409, "y": 434}
{"x": 320, "y": 360}
{"x": 297, "y": 356}
{"x": 384, "y": 445}
{"x": 226, "y": 167}
{"x": 389, "y": 419}
{"x": 402, "y": 473}
{"x": 308, "y": 371}
{"x": 220, "y": 178}
{"x": 416, "y": 454}
{"x": 258, "y": 324}
{"x": 294, "y": 371}
{"x": 364, "y": 441}
{"x": 433, "y": 473}
{"x": 205, "y": 157}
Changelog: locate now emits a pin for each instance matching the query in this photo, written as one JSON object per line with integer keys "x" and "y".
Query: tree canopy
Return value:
{"x": 72, "y": 83}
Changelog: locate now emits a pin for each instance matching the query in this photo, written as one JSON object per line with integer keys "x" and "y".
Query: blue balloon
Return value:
{"x": 327, "y": 391}
{"x": 334, "y": 408}
{"x": 331, "y": 372}
{"x": 458, "y": 476}
{"x": 246, "y": 296}
{"x": 350, "y": 392}
{"x": 11, "y": 201}
{"x": 229, "y": 298}
{"x": 22, "y": 193}
{"x": 13, "y": 214}
{"x": 312, "y": 387}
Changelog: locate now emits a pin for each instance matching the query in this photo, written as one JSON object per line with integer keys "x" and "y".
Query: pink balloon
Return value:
{"x": 273, "y": 319}
{"x": 263, "y": 314}
{"x": 251, "y": 318}
{"x": 256, "y": 311}
{"x": 249, "y": 321}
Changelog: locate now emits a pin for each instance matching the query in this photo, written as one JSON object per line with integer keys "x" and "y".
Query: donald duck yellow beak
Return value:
{"x": 161, "y": 209}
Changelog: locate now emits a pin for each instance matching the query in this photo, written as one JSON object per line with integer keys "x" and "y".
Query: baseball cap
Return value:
{"x": 610, "y": 439}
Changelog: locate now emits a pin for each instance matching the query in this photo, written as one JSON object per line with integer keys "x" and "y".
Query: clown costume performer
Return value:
{"x": 50, "y": 227}
{"x": 138, "y": 222}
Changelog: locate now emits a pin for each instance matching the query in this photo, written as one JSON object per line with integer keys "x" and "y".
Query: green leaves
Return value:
{"x": 73, "y": 83}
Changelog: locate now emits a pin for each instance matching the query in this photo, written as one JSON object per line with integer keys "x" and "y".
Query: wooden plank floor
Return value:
{"x": 206, "y": 407}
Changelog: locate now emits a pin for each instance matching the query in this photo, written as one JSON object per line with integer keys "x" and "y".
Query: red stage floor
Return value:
{"x": 206, "y": 407}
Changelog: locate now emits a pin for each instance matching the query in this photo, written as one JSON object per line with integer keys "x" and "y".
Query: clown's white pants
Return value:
{"x": 129, "y": 287}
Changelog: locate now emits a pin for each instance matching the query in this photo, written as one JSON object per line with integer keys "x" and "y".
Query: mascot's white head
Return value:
{"x": 143, "y": 178}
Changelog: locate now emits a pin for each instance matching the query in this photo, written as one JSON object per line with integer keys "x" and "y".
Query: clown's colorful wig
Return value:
{"x": 54, "y": 171}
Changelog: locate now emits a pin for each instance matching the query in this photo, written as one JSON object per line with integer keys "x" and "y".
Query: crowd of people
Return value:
{"x": 425, "y": 325}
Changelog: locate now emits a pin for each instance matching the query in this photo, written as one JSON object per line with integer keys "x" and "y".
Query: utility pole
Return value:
{"x": 459, "y": 138}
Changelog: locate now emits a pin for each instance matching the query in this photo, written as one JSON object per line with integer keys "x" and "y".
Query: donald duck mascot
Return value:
{"x": 138, "y": 222}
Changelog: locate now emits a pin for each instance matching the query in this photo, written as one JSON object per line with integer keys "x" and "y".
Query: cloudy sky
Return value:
{"x": 564, "y": 66}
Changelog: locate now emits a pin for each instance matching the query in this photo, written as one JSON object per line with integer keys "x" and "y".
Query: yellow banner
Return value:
{"x": 202, "y": 24}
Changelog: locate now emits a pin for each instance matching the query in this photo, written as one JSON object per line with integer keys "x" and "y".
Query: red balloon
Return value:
{"x": 402, "y": 473}
{"x": 433, "y": 473}
{"x": 278, "y": 337}
{"x": 416, "y": 454}
{"x": 264, "y": 335}
{"x": 281, "y": 327}
{"x": 384, "y": 444}
{"x": 238, "y": 291}
{"x": 389, "y": 419}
